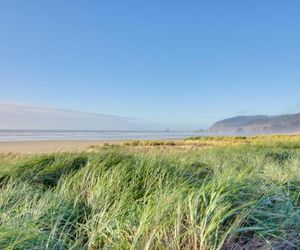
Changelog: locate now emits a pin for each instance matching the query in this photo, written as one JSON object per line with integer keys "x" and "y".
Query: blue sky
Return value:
{"x": 181, "y": 63}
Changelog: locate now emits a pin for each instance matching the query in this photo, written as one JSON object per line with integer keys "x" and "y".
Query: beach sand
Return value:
{"x": 48, "y": 146}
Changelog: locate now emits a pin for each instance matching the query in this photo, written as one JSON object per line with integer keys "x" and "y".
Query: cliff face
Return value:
{"x": 259, "y": 124}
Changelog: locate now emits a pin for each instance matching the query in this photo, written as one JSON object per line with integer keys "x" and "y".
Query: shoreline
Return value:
{"x": 56, "y": 146}
{"x": 50, "y": 146}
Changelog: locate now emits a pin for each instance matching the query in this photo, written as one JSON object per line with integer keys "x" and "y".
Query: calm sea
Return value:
{"x": 38, "y": 135}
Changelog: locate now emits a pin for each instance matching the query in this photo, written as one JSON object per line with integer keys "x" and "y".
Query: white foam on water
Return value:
{"x": 45, "y": 135}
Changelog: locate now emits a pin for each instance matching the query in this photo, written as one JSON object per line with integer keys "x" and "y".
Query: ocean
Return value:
{"x": 48, "y": 135}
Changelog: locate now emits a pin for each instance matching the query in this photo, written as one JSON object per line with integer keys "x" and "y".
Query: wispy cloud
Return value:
{"x": 16, "y": 116}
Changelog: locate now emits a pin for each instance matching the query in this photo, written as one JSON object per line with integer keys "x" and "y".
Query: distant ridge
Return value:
{"x": 259, "y": 124}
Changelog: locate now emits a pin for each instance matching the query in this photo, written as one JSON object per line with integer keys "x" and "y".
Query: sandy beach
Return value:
{"x": 47, "y": 146}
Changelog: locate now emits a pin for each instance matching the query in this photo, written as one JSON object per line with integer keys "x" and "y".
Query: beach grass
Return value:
{"x": 228, "y": 194}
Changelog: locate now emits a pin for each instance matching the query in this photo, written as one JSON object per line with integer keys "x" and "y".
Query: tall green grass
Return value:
{"x": 222, "y": 198}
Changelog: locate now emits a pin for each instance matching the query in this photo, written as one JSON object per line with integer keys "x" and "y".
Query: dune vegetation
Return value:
{"x": 229, "y": 195}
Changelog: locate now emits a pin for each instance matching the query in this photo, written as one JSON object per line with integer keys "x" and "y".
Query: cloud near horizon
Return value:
{"x": 16, "y": 116}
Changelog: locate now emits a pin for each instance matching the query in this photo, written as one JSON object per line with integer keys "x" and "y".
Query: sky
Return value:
{"x": 177, "y": 64}
{"x": 16, "y": 116}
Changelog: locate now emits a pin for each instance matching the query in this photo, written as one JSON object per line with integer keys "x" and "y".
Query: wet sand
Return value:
{"x": 48, "y": 146}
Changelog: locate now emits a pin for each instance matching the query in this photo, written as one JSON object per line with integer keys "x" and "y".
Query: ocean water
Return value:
{"x": 45, "y": 135}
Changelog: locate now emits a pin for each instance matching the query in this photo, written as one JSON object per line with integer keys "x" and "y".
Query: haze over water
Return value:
{"x": 45, "y": 135}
